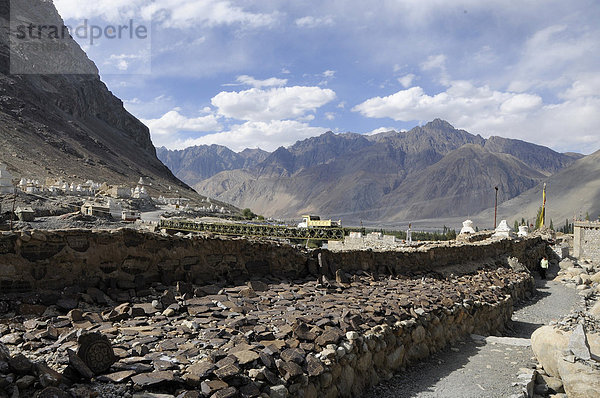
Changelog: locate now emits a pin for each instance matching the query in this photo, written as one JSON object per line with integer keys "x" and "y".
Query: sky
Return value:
{"x": 266, "y": 73}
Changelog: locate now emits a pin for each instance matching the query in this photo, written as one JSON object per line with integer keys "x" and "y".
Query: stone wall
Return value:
{"x": 363, "y": 360}
{"x": 586, "y": 241}
{"x": 124, "y": 258}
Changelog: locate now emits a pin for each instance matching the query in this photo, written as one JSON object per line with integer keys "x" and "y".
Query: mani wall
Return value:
{"x": 586, "y": 240}
{"x": 126, "y": 258}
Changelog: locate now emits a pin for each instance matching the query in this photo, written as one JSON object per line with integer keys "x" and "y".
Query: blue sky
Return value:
{"x": 265, "y": 73}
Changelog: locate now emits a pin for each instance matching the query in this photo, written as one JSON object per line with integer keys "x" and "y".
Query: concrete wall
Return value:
{"x": 586, "y": 240}
{"x": 34, "y": 260}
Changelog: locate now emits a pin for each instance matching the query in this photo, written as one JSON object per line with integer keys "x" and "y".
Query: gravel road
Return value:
{"x": 478, "y": 369}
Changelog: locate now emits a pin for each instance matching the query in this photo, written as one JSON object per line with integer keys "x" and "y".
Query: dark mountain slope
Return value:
{"x": 70, "y": 126}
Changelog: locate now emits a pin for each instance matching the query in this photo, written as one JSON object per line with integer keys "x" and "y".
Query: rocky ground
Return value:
{"x": 269, "y": 338}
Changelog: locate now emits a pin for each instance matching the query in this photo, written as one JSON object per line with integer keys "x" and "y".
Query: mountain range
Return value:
{"x": 433, "y": 171}
{"x": 69, "y": 126}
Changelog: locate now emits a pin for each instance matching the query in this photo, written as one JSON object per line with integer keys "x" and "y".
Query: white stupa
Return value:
{"x": 6, "y": 185}
{"x": 523, "y": 231}
{"x": 467, "y": 227}
{"x": 503, "y": 230}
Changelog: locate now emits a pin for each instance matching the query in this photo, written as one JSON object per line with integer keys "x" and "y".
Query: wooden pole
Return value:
{"x": 496, "y": 207}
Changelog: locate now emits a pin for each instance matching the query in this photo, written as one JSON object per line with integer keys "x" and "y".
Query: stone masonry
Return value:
{"x": 30, "y": 260}
{"x": 586, "y": 240}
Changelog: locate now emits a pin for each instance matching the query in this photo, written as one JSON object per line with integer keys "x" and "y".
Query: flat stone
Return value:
{"x": 294, "y": 355}
{"x": 149, "y": 379}
{"x": 303, "y": 332}
{"x": 513, "y": 341}
{"x": 116, "y": 377}
{"x": 330, "y": 336}
{"x": 578, "y": 344}
{"x": 209, "y": 387}
{"x": 314, "y": 366}
{"x": 290, "y": 369}
{"x": 227, "y": 371}
{"x": 11, "y": 338}
{"x": 201, "y": 369}
{"x": 228, "y": 392}
{"x": 246, "y": 356}
{"x": 78, "y": 364}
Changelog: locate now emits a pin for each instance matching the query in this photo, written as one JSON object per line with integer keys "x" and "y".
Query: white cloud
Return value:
{"x": 176, "y": 14}
{"x": 434, "y": 62}
{"x": 554, "y": 56}
{"x": 329, "y": 74}
{"x": 266, "y": 135}
{"x": 330, "y": 115}
{"x": 380, "y": 130}
{"x": 271, "y": 82}
{"x": 460, "y": 100}
{"x": 585, "y": 85}
{"x": 166, "y": 128}
{"x": 406, "y": 80}
{"x": 273, "y": 104}
{"x": 314, "y": 22}
{"x": 437, "y": 62}
{"x": 491, "y": 112}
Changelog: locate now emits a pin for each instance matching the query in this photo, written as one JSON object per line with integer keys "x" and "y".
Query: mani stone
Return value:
{"x": 578, "y": 344}
{"x": 96, "y": 352}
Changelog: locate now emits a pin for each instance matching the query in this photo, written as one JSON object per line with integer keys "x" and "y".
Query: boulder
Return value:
{"x": 548, "y": 344}
{"x": 579, "y": 380}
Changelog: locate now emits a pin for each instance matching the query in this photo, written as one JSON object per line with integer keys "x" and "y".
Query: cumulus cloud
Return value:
{"x": 265, "y": 135}
{"x": 271, "y": 82}
{"x": 460, "y": 99}
{"x": 166, "y": 128}
{"x": 279, "y": 103}
{"x": 492, "y": 112}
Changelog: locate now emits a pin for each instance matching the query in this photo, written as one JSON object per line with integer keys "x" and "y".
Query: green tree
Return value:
{"x": 248, "y": 214}
{"x": 587, "y": 216}
{"x": 551, "y": 225}
{"x": 516, "y": 225}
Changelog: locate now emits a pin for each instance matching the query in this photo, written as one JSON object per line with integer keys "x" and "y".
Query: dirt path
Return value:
{"x": 476, "y": 368}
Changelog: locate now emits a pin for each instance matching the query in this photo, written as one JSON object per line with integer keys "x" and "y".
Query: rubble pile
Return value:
{"x": 267, "y": 338}
{"x": 582, "y": 275}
